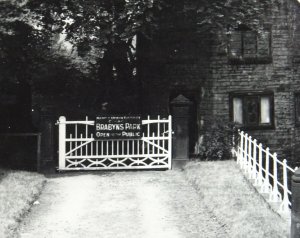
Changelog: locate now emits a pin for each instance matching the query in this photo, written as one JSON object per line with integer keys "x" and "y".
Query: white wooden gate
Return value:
{"x": 78, "y": 150}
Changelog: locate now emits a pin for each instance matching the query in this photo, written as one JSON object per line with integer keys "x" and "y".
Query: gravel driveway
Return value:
{"x": 144, "y": 204}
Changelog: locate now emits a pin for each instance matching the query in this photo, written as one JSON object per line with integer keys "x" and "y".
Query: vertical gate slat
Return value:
{"x": 97, "y": 148}
{"x": 81, "y": 136}
{"x": 148, "y": 135}
{"x": 112, "y": 147}
{"x": 76, "y": 138}
{"x": 153, "y": 147}
{"x": 70, "y": 143}
{"x": 163, "y": 142}
{"x": 86, "y": 136}
{"x": 113, "y": 153}
{"x": 107, "y": 148}
{"x": 143, "y": 146}
{"x": 127, "y": 147}
{"x": 158, "y": 134}
{"x": 133, "y": 152}
{"x": 164, "y": 137}
{"x": 92, "y": 146}
{"x": 158, "y": 126}
{"x": 118, "y": 147}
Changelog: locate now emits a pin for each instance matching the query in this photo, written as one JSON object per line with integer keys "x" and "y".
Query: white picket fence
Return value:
{"x": 268, "y": 174}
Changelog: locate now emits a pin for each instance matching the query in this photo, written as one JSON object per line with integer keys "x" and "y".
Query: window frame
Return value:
{"x": 297, "y": 111}
{"x": 259, "y": 95}
{"x": 250, "y": 60}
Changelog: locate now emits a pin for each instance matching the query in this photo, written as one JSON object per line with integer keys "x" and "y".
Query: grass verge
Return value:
{"x": 3, "y": 173}
{"x": 233, "y": 201}
{"x": 18, "y": 190}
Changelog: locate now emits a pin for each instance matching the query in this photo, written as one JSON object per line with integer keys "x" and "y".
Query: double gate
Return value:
{"x": 79, "y": 150}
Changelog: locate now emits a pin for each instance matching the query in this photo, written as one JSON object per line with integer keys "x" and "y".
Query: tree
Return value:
{"x": 102, "y": 32}
{"x": 99, "y": 24}
{"x": 28, "y": 64}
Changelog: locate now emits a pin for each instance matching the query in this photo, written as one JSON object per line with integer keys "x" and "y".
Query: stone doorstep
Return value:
{"x": 179, "y": 163}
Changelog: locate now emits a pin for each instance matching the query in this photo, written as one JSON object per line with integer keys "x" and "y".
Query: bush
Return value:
{"x": 217, "y": 141}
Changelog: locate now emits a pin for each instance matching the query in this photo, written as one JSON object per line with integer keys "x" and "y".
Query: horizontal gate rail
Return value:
{"x": 78, "y": 149}
{"x": 112, "y": 156}
{"x": 91, "y": 123}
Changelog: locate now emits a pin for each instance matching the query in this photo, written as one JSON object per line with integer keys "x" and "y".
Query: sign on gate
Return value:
{"x": 118, "y": 127}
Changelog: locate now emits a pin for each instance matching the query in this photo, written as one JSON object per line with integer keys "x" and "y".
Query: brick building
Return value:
{"x": 250, "y": 79}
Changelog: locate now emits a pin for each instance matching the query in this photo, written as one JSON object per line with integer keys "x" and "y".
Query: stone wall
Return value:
{"x": 211, "y": 77}
{"x": 295, "y": 16}
{"x": 277, "y": 77}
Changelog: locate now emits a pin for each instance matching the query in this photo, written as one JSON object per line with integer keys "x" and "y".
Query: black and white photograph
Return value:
{"x": 149, "y": 118}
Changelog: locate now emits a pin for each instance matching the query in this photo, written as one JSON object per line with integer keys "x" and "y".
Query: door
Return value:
{"x": 181, "y": 112}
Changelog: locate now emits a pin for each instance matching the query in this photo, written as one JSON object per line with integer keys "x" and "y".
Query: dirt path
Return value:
{"x": 147, "y": 204}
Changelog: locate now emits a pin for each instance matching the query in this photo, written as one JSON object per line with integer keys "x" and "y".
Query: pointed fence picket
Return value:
{"x": 265, "y": 170}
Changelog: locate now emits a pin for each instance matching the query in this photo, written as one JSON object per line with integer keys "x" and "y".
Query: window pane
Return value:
{"x": 249, "y": 40}
{"x": 263, "y": 44}
{"x": 238, "y": 110}
{"x": 265, "y": 109}
{"x": 251, "y": 111}
{"x": 235, "y": 44}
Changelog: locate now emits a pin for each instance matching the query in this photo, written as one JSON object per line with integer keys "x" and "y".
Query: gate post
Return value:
{"x": 62, "y": 143}
{"x": 47, "y": 162}
{"x": 181, "y": 110}
{"x": 295, "y": 223}
{"x": 170, "y": 142}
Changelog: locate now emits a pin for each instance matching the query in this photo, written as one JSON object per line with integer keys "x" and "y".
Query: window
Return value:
{"x": 247, "y": 46}
{"x": 297, "y": 108}
{"x": 253, "y": 110}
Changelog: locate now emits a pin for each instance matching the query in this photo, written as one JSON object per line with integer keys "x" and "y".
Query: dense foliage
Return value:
{"x": 217, "y": 141}
{"x": 100, "y": 23}
{"x": 101, "y": 34}
{"x": 112, "y": 23}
